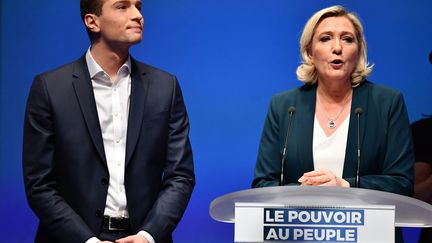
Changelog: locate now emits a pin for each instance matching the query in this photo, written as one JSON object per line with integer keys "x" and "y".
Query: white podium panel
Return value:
{"x": 257, "y": 222}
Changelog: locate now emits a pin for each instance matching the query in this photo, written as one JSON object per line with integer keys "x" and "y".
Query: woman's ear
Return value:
{"x": 309, "y": 54}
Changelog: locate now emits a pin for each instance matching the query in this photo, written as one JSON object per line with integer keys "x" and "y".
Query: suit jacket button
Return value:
{"x": 98, "y": 213}
{"x": 104, "y": 181}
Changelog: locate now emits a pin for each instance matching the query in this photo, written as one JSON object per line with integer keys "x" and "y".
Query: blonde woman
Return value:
{"x": 323, "y": 114}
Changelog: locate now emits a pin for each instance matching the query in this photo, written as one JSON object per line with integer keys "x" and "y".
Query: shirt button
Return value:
{"x": 118, "y": 141}
{"x": 104, "y": 181}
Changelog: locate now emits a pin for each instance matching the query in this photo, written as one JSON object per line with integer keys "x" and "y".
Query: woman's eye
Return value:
{"x": 348, "y": 39}
{"x": 324, "y": 38}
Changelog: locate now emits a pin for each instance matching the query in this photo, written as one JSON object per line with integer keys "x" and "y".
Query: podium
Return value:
{"x": 318, "y": 214}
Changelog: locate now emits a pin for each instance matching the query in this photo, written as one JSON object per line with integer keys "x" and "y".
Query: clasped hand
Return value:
{"x": 322, "y": 178}
{"x": 129, "y": 239}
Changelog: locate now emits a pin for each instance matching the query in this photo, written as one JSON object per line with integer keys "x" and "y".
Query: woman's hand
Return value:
{"x": 322, "y": 178}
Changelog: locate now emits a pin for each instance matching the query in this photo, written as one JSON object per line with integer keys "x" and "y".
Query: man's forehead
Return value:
{"x": 120, "y": 1}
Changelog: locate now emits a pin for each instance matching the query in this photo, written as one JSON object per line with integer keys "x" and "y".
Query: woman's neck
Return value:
{"x": 334, "y": 92}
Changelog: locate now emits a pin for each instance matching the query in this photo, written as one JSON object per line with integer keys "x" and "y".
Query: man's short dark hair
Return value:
{"x": 90, "y": 7}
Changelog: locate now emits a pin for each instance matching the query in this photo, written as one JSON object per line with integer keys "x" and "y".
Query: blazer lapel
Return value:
{"x": 305, "y": 124}
{"x": 84, "y": 92}
{"x": 360, "y": 100}
{"x": 138, "y": 96}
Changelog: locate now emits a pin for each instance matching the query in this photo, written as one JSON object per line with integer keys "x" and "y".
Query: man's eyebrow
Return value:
{"x": 120, "y": 1}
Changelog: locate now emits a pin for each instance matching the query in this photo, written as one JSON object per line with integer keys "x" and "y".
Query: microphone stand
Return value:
{"x": 291, "y": 111}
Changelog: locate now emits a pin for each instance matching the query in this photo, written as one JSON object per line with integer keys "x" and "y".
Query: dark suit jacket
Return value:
{"x": 65, "y": 171}
{"x": 385, "y": 140}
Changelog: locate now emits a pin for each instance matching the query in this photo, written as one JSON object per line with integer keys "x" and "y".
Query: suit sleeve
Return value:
{"x": 267, "y": 167}
{"x": 39, "y": 167}
{"x": 397, "y": 168}
{"x": 178, "y": 178}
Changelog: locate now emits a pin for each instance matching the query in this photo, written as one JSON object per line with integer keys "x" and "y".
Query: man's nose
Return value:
{"x": 136, "y": 14}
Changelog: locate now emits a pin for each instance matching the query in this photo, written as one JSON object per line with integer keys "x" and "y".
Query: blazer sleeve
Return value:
{"x": 54, "y": 213}
{"x": 267, "y": 168}
{"x": 396, "y": 172}
{"x": 178, "y": 178}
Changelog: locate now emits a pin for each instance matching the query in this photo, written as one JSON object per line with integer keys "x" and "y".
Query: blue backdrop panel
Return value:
{"x": 230, "y": 57}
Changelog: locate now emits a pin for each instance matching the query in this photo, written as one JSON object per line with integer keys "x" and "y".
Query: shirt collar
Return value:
{"x": 96, "y": 70}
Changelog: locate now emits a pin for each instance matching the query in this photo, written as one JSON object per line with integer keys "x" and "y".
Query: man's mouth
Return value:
{"x": 135, "y": 28}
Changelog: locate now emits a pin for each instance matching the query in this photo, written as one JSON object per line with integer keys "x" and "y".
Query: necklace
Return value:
{"x": 331, "y": 123}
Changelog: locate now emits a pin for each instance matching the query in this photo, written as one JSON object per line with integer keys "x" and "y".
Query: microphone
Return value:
{"x": 358, "y": 111}
{"x": 430, "y": 57}
{"x": 291, "y": 111}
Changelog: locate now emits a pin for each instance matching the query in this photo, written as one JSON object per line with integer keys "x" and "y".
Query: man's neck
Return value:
{"x": 109, "y": 59}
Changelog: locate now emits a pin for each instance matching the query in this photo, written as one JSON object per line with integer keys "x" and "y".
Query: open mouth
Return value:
{"x": 337, "y": 64}
{"x": 337, "y": 61}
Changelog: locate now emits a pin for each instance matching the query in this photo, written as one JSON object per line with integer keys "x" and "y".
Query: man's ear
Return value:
{"x": 92, "y": 22}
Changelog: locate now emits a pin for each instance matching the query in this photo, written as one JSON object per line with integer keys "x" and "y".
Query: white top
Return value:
{"x": 329, "y": 152}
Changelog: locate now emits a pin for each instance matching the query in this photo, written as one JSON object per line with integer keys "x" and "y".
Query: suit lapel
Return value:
{"x": 359, "y": 100}
{"x": 305, "y": 123}
{"x": 84, "y": 92}
{"x": 139, "y": 88}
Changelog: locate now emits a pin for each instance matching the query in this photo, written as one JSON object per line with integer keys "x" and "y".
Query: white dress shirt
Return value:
{"x": 112, "y": 102}
{"x": 329, "y": 152}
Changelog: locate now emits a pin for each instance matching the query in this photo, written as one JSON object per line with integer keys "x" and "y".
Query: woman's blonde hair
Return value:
{"x": 306, "y": 71}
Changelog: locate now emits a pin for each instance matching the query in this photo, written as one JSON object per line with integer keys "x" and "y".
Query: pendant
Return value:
{"x": 331, "y": 124}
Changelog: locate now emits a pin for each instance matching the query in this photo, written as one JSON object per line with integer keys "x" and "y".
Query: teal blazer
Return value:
{"x": 387, "y": 155}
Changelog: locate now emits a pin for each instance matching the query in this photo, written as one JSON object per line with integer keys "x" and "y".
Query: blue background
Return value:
{"x": 230, "y": 56}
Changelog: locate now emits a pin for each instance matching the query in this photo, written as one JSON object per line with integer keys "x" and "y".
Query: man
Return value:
{"x": 106, "y": 153}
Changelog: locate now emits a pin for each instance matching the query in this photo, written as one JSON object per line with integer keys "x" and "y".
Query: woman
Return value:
{"x": 321, "y": 148}
{"x": 322, "y": 142}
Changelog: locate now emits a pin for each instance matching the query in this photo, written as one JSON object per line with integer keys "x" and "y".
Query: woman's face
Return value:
{"x": 335, "y": 49}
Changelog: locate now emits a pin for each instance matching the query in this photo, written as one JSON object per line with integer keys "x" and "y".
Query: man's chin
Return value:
{"x": 136, "y": 41}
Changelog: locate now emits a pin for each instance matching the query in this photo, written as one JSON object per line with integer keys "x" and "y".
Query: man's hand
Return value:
{"x": 322, "y": 178}
{"x": 133, "y": 239}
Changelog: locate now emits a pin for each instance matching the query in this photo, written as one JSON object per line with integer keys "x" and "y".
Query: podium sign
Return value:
{"x": 310, "y": 213}
{"x": 258, "y": 222}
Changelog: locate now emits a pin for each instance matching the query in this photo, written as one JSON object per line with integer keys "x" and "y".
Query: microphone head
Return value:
{"x": 430, "y": 57}
{"x": 358, "y": 111}
{"x": 291, "y": 109}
